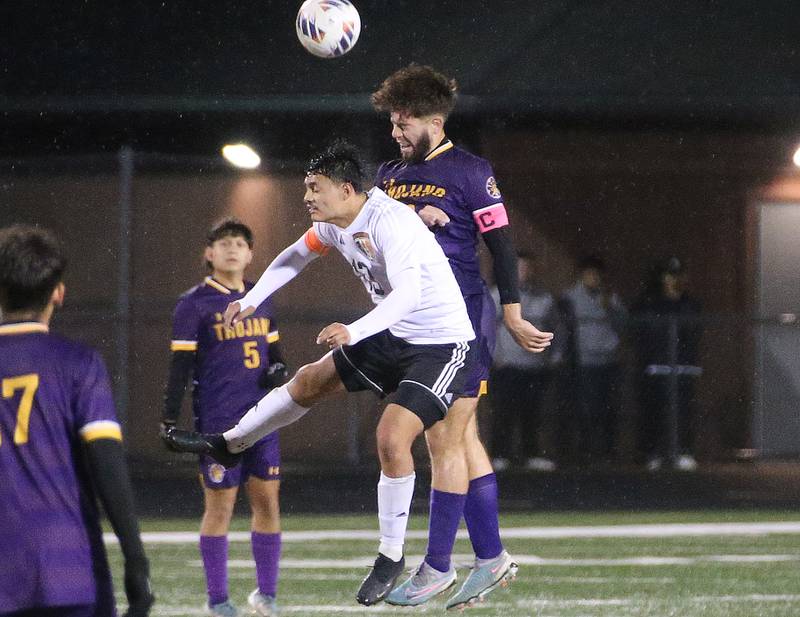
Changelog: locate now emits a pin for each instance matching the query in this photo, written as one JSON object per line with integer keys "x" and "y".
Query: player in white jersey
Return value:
{"x": 414, "y": 344}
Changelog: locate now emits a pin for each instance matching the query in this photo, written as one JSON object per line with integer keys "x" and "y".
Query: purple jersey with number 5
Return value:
{"x": 229, "y": 361}
{"x": 55, "y": 397}
{"x": 463, "y": 186}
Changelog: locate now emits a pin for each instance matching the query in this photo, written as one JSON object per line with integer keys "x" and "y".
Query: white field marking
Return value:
{"x": 179, "y": 611}
{"x": 668, "y": 530}
{"x": 566, "y": 603}
{"x": 590, "y": 580}
{"x": 753, "y": 597}
{"x": 330, "y": 608}
{"x": 523, "y": 560}
{"x": 294, "y": 575}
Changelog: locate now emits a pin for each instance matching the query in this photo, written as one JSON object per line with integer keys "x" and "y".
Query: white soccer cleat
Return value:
{"x": 263, "y": 605}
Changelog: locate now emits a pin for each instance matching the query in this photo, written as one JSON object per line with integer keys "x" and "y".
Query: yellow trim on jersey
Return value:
{"x": 183, "y": 346}
{"x": 273, "y": 336}
{"x": 439, "y": 150}
{"x": 484, "y": 388}
{"x": 23, "y": 328}
{"x": 219, "y": 286}
{"x": 101, "y": 429}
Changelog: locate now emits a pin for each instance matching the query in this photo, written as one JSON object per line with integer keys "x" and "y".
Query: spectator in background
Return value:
{"x": 520, "y": 379}
{"x": 595, "y": 318}
{"x": 667, "y": 333}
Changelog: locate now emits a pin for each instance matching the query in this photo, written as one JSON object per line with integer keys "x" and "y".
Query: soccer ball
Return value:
{"x": 328, "y": 28}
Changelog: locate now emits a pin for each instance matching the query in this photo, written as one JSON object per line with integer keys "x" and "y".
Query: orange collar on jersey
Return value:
{"x": 442, "y": 147}
{"x": 220, "y": 287}
{"x": 23, "y": 327}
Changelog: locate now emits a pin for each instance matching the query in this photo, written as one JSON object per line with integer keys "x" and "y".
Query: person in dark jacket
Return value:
{"x": 667, "y": 335}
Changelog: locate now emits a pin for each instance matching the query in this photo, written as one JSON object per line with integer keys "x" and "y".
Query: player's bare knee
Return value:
{"x": 393, "y": 449}
{"x": 445, "y": 438}
{"x": 218, "y": 515}
{"x": 305, "y": 387}
{"x": 266, "y": 510}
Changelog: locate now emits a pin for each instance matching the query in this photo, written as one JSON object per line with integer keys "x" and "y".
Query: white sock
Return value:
{"x": 275, "y": 410}
{"x": 394, "y": 506}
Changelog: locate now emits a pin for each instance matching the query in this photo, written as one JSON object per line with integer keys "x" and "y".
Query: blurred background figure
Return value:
{"x": 520, "y": 379}
{"x": 667, "y": 335}
{"x": 595, "y": 318}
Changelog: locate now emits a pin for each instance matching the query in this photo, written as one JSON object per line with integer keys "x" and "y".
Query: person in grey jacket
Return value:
{"x": 595, "y": 318}
{"x": 520, "y": 379}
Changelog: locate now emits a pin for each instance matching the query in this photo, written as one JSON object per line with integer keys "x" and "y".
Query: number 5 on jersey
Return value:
{"x": 28, "y": 384}
{"x": 252, "y": 359}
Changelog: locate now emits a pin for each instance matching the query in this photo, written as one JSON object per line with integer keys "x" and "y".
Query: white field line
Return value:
{"x": 523, "y": 560}
{"x": 669, "y": 530}
{"x": 753, "y": 597}
{"x": 179, "y": 611}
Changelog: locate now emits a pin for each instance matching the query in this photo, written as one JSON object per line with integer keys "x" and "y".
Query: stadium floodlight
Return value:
{"x": 796, "y": 157}
{"x": 241, "y": 155}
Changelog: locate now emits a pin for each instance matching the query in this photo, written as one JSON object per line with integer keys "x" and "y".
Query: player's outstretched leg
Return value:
{"x": 213, "y": 445}
{"x": 486, "y": 575}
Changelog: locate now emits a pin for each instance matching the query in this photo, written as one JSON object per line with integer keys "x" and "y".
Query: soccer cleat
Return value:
{"x": 263, "y": 605}
{"x": 426, "y": 583}
{"x": 223, "y": 609}
{"x": 483, "y": 579}
{"x": 213, "y": 445}
{"x": 685, "y": 462}
{"x": 380, "y": 580}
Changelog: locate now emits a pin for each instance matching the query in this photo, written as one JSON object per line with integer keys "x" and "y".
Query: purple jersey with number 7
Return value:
{"x": 55, "y": 396}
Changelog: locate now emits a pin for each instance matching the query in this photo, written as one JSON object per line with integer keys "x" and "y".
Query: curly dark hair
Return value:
{"x": 417, "y": 90}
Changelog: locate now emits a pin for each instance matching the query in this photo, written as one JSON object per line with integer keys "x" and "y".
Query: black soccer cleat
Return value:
{"x": 213, "y": 445}
{"x": 380, "y": 581}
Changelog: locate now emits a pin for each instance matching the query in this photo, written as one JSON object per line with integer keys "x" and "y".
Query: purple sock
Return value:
{"x": 214, "y": 551}
{"x": 446, "y": 511}
{"x": 267, "y": 553}
{"x": 480, "y": 514}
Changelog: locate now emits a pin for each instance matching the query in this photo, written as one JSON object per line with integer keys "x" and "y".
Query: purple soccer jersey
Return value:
{"x": 463, "y": 186}
{"x": 55, "y": 395}
{"x": 229, "y": 361}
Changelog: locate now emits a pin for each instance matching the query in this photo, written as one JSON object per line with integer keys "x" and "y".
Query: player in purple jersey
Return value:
{"x": 232, "y": 368}
{"x": 60, "y": 450}
{"x": 456, "y": 195}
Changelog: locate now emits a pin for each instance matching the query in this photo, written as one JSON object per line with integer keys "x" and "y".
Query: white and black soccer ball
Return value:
{"x": 328, "y": 28}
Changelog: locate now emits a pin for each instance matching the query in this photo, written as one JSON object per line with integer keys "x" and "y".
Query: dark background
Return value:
{"x": 633, "y": 130}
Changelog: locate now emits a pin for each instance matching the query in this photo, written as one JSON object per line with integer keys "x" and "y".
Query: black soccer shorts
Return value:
{"x": 426, "y": 378}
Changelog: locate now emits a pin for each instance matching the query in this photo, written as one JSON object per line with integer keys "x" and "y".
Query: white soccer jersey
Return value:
{"x": 388, "y": 237}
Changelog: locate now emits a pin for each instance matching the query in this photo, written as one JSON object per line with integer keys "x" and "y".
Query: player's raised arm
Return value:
{"x": 287, "y": 265}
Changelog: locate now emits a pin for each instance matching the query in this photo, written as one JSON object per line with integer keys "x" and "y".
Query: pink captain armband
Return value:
{"x": 490, "y": 217}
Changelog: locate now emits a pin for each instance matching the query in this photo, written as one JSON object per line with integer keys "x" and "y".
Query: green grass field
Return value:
{"x": 664, "y": 571}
